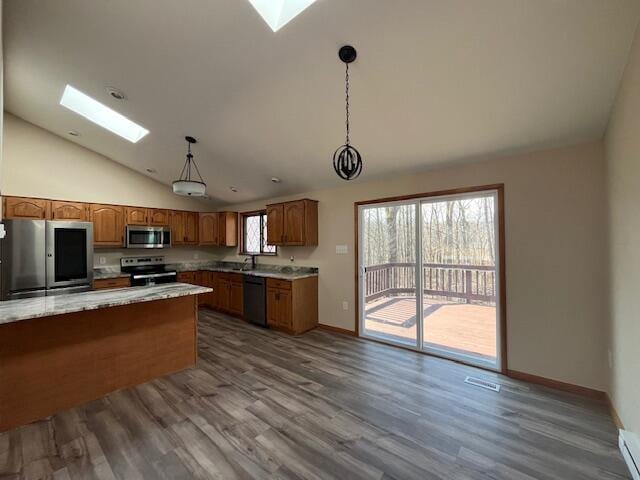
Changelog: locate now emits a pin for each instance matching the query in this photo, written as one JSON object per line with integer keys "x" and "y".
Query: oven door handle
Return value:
{"x": 154, "y": 275}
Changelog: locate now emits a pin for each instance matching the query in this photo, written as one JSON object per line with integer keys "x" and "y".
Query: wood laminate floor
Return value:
{"x": 321, "y": 406}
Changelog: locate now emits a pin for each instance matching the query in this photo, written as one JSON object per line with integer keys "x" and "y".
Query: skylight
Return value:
{"x": 100, "y": 114}
{"x": 277, "y": 13}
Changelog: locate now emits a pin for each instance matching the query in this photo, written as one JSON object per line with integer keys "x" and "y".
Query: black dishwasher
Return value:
{"x": 255, "y": 300}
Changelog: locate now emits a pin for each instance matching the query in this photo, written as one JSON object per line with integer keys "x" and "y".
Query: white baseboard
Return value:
{"x": 630, "y": 447}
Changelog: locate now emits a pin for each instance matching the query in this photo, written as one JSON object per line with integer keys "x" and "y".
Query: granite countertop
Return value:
{"x": 25, "y": 309}
{"x": 267, "y": 271}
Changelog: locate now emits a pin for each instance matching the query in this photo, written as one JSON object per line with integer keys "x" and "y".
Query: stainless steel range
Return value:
{"x": 147, "y": 270}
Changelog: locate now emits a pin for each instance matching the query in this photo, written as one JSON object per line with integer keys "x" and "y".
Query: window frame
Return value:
{"x": 263, "y": 218}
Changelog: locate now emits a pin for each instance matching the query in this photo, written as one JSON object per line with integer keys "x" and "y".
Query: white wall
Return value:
{"x": 38, "y": 163}
{"x": 555, "y": 253}
{"x": 623, "y": 168}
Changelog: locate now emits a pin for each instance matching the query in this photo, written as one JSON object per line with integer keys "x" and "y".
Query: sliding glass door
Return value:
{"x": 445, "y": 247}
{"x": 388, "y": 265}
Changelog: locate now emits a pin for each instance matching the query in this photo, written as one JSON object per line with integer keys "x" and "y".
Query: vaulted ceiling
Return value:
{"x": 436, "y": 81}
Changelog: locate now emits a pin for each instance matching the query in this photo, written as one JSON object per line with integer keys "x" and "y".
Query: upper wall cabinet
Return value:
{"x": 108, "y": 225}
{"x": 228, "y": 229}
{"x": 28, "y": 208}
{"x": 191, "y": 221}
{"x": 209, "y": 229}
{"x": 293, "y": 223}
{"x": 61, "y": 210}
{"x": 146, "y": 216}
{"x": 158, "y": 217}
{"x": 136, "y": 216}
{"x": 219, "y": 229}
{"x": 184, "y": 228}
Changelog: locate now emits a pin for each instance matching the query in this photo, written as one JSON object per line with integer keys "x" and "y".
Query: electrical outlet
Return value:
{"x": 103, "y": 260}
{"x": 345, "y": 305}
{"x": 342, "y": 249}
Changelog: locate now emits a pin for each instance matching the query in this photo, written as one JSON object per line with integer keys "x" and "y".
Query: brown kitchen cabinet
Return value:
{"x": 186, "y": 277}
{"x": 106, "y": 283}
{"x": 69, "y": 211}
{"x": 219, "y": 229}
{"x": 293, "y": 223}
{"x": 177, "y": 227}
{"x": 108, "y": 225}
{"x": 184, "y": 228}
{"x": 26, "y": 208}
{"x": 228, "y": 229}
{"x": 230, "y": 293}
{"x": 136, "y": 216}
{"x": 190, "y": 228}
{"x": 158, "y": 217}
{"x": 208, "y": 230}
{"x": 209, "y": 279}
{"x": 292, "y": 306}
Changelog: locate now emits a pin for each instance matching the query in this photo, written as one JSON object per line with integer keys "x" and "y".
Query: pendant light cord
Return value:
{"x": 346, "y": 82}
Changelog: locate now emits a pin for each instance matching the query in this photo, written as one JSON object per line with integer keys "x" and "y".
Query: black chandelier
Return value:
{"x": 347, "y": 161}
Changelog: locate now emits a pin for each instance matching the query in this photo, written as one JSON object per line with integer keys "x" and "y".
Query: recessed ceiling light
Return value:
{"x": 102, "y": 115}
{"x": 233, "y": 189}
{"x": 74, "y": 133}
{"x": 116, "y": 93}
{"x": 152, "y": 170}
{"x": 277, "y": 13}
{"x": 275, "y": 180}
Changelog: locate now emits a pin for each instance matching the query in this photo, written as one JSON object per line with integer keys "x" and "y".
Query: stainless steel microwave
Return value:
{"x": 141, "y": 236}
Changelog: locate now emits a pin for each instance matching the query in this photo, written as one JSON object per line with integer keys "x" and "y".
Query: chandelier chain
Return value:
{"x": 346, "y": 82}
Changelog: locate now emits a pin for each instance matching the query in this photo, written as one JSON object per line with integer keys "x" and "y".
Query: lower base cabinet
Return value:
{"x": 106, "y": 283}
{"x": 292, "y": 306}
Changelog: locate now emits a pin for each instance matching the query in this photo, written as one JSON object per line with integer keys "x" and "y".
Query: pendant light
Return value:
{"x": 186, "y": 185}
{"x": 347, "y": 161}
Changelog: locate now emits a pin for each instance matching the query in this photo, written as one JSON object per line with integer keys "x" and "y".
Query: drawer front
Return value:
{"x": 231, "y": 277}
{"x": 281, "y": 284}
{"x": 120, "y": 282}
{"x": 186, "y": 277}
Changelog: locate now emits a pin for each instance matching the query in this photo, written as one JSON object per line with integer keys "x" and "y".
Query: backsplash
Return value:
{"x": 176, "y": 254}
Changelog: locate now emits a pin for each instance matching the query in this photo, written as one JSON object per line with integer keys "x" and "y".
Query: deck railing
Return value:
{"x": 467, "y": 282}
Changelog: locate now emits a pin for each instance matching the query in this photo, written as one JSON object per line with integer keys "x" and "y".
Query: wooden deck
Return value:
{"x": 462, "y": 327}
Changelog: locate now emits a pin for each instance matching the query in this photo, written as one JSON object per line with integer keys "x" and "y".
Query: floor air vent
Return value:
{"x": 478, "y": 382}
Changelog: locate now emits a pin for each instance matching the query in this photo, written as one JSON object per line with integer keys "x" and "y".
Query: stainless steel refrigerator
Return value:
{"x": 41, "y": 257}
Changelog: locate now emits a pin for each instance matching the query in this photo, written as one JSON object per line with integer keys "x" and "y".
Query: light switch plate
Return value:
{"x": 342, "y": 249}
{"x": 103, "y": 260}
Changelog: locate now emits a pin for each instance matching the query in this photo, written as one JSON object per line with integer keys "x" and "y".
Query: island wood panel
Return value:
{"x": 50, "y": 364}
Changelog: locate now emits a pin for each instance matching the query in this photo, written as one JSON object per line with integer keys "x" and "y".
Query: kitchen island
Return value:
{"x": 61, "y": 351}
